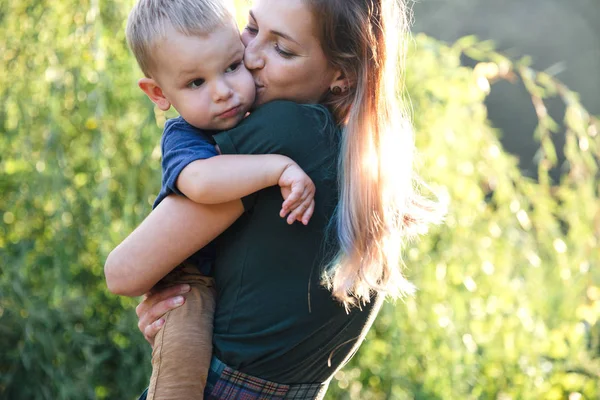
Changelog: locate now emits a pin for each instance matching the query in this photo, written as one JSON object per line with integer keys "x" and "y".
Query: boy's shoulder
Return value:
{"x": 178, "y": 132}
{"x": 180, "y": 127}
{"x": 179, "y": 123}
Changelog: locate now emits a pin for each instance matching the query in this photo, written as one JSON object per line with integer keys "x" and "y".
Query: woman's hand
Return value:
{"x": 298, "y": 191}
{"x": 154, "y": 305}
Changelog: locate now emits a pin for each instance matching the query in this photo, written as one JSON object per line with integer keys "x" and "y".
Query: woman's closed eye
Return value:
{"x": 233, "y": 67}
{"x": 251, "y": 30}
{"x": 282, "y": 52}
{"x": 196, "y": 83}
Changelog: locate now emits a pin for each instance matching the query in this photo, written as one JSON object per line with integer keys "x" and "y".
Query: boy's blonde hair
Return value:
{"x": 150, "y": 20}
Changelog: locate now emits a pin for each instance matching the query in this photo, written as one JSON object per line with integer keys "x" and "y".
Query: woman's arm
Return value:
{"x": 172, "y": 232}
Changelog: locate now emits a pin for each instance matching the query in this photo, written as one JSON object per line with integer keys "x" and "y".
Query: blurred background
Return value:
{"x": 505, "y": 101}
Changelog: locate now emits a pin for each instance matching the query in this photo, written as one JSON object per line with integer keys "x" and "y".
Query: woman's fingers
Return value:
{"x": 150, "y": 322}
{"x": 152, "y": 330}
{"x": 155, "y": 305}
{"x": 156, "y": 296}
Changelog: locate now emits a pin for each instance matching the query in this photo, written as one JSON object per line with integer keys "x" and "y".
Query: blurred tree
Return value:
{"x": 509, "y": 298}
{"x": 561, "y": 37}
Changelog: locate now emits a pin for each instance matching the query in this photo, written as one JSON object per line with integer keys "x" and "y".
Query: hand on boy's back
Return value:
{"x": 298, "y": 192}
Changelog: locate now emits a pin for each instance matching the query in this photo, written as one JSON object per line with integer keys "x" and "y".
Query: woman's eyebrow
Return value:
{"x": 277, "y": 33}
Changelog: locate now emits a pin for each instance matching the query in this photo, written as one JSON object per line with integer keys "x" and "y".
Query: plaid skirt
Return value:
{"x": 225, "y": 383}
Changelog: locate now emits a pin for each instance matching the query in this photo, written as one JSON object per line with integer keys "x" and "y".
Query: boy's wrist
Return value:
{"x": 280, "y": 164}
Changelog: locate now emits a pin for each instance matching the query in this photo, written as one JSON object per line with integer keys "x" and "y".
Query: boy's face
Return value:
{"x": 204, "y": 77}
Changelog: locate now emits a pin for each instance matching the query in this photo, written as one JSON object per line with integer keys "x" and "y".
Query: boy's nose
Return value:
{"x": 253, "y": 58}
{"x": 222, "y": 91}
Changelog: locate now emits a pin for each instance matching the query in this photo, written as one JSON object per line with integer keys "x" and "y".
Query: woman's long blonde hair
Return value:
{"x": 379, "y": 206}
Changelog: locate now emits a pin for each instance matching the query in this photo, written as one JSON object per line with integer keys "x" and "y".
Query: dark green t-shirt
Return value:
{"x": 273, "y": 319}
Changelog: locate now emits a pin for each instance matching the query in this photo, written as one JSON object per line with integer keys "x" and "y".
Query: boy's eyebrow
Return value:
{"x": 233, "y": 56}
{"x": 277, "y": 33}
{"x": 188, "y": 72}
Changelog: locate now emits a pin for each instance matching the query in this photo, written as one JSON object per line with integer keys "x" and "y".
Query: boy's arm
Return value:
{"x": 230, "y": 177}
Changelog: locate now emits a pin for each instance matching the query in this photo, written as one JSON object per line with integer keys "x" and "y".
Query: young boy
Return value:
{"x": 192, "y": 57}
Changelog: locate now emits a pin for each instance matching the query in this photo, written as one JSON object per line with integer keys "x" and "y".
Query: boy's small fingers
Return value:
{"x": 286, "y": 207}
{"x": 302, "y": 214}
{"x": 292, "y": 198}
{"x": 300, "y": 197}
{"x": 303, "y": 197}
{"x": 295, "y": 214}
{"x": 291, "y": 217}
{"x": 308, "y": 213}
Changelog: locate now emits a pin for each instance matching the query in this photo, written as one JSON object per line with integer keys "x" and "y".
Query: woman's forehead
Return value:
{"x": 290, "y": 17}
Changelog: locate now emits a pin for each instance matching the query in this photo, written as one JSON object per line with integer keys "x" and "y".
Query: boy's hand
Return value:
{"x": 298, "y": 191}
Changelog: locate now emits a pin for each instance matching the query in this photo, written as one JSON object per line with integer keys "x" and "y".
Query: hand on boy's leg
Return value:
{"x": 155, "y": 305}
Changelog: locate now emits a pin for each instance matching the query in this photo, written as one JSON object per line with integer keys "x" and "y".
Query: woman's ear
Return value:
{"x": 340, "y": 83}
{"x": 154, "y": 93}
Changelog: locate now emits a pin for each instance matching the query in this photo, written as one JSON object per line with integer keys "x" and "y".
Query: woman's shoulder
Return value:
{"x": 299, "y": 131}
{"x": 288, "y": 112}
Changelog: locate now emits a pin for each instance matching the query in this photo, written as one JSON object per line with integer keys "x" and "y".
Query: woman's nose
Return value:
{"x": 253, "y": 58}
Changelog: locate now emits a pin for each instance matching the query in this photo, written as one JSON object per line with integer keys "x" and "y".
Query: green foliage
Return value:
{"x": 78, "y": 167}
{"x": 509, "y": 302}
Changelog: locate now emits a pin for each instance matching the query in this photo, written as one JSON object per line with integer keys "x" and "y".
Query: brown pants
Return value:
{"x": 183, "y": 347}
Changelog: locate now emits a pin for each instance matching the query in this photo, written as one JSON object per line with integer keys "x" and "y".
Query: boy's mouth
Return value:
{"x": 232, "y": 112}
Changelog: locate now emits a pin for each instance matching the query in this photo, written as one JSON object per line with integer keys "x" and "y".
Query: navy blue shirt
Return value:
{"x": 182, "y": 144}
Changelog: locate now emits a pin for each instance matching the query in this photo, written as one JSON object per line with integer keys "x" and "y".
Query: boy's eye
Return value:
{"x": 251, "y": 30}
{"x": 233, "y": 67}
{"x": 196, "y": 83}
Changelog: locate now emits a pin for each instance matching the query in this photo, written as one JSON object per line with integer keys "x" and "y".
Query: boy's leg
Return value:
{"x": 183, "y": 347}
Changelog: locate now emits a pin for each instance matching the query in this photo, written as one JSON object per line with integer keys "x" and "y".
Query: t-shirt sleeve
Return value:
{"x": 181, "y": 145}
{"x": 280, "y": 127}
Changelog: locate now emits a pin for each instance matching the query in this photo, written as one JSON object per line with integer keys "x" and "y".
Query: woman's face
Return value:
{"x": 284, "y": 54}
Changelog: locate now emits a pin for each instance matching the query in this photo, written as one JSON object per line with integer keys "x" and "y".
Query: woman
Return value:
{"x": 295, "y": 301}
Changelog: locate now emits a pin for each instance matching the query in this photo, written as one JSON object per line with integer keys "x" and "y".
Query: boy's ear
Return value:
{"x": 155, "y": 93}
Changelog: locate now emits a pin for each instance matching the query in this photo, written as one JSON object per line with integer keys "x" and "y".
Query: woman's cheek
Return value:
{"x": 282, "y": 75}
